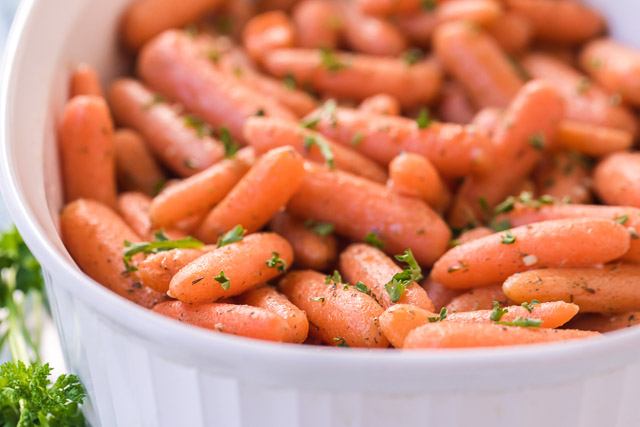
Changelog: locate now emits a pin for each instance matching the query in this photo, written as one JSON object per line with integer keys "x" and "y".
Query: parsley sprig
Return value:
{"x": 441, "y": 316}
{"x": 232, "y": 236}
{"x": 399, "y": 282}
{"x": 497, "y": 313}
{"x": 160, "y": 244}
{"x": 325, "y": 149}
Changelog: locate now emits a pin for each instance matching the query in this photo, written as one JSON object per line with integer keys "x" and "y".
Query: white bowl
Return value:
{"x": 142, "y": 369}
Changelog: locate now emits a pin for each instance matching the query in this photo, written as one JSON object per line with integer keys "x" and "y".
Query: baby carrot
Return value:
{"x": 259, "y": 194}
{"x": 270, "y": 299}
{"x": 467, "y": 335}
{"x": 478, "y": 63}
{"x": 338, "y": 313}
{"x": 615, "y": 66}
{"x": 512, "y": 31}
{"x": 267, "y": 31}
{"x": 586, "y": 101}
{"x": 563, "y": 22}
{"x": 558, "y": 243}
{"x": 612, "y": 289}
{"x": 157, "y": 270}
{"x": 364, "y": 263}
{"x": 134, "y": 209}
{"x": 400, "y": 319}
{"x": 232, "y": 269}
{"x": 521, "y": 214}
{"x": 85, "y": 81}
{"x": 417, "y": 27}
{"x": 341, "y": 74}
{"x": 380, "y": 104}
{"x": 564, "y": 176}
{"x": 178, "y": 141}
{"x": 266, "y": 133}
{"x": 197, "y": 194}
{"x": 527, "y": 129}
{"x": 474, "y": 234}
{"x": 387, "y": 7}
{"x": 178, "y": 67}
{"x": 453, "y": 149}
{"x": 478, "y": 12}
{"x": 371, "y": 34}
{"x": 455, "y": 106}
{"x": 599, "y": 323}
{"x": 478, "y": 299}
{"x": 94, "y": 235}
{"x": 592, "y": 140}
{"x": 86, "y": 150}
{"x": 553, "y": 314}
{"x": 318, "y": 24}
{"x": 616, "y": 179}
{"x": 145, "y": 19}
{"x": 412, "y": 175}
{"x": 314, "y": 245}
{"x": 242, "y": 320}
{"x": 487, "y": 120}
{"x": 422, "y": 231}
{"x": 136, "y": 168}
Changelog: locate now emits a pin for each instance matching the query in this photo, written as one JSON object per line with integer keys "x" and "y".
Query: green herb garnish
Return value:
{"x": 441, "y": 317}
{"x": 362, "y": 287}
{"x": 276, "y": 262}
{"x": 373, "y": 240}
{"x": 508, "y": 238}
{"x": 224, "y": 281}
{"x": 232, "y": 236}
{"x": 200, "y": 126}
{"x": 161, "y": 244}
{"x": 399, "y": 282}
{"x": 325, "y": 149}
{"x": 529, "y": 305}
{"x": 231, "y": 147}
{"x": 424, "y": 119}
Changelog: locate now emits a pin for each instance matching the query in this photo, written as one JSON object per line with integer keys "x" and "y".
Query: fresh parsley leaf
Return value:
{"x": 224, "y": 281}
{"x": 622, "y": 219}
{"x": 289, "y": 81}
{"x": 424, "y": 119}
{"x": 156, "y": 99}
{"x": 429, "y": 5}
{"x": 320, "y": 228}
{"x": 396, "y": 288}
{"x": 497, "y": 313}
{"x": 276, "y": 262}
{"x": 537, "y": 141}
{"x": 325, "y": 149}
{"x": 412, "y": 266}
{"x": 357, "y": 139}
{"x": 321, "y": 299}
{"x": 508, "y": 238}
{"x": 362, "y": 287}
{"x": 200, "y": 126}
{"x": 441, "y": 317}
{"x": 310, "y": 122}
{"x": 399, "y": 282}
{"x": 231, "y": 147}
{"x": 340, "y": 342}
{"x": 523, "y": 322}
{"x": 330, "y": 61}
{"x": 412, "y": 56}
{"x": 482, "y": 201}
{"x": 131, "y": 248}
{"x": 335, "y": 278}
{"x": 529, "y": 305}
{"x": 234, "y": 235}
{"x": 373, "y": 240}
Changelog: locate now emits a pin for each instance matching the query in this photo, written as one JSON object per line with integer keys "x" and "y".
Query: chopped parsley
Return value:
{"x": 310, "y": 122}
{"x": 622, "y": 219}
{"x": 424, "y": 119}
{"x": 357, "y": 139}
{"x": 441, "y": 317}
{"x": 429, "y": 5}
{"x": 413, "y": 56}
{"x": 373, "y": 240}
{"x": 362, "y": 287}
{"x": 232, "y": 236}
{"x": 508, "y": 238}
{"x": 200, "y": 126}
{"x": 340, "y": 342}
{"x": 529, "y": 305}
{"x": 537, "y": 141}
{"x": 321, "y": 299}
{"x": 155, "y": 99}
{"x": 161, "y": 244}
{"x": 497, "y": 313}
{"x": 335, "y": 278}
{"x": 231, "y": 147}
{"x": 399, "y": 282}
{"x": 289, "y": 81}
{"x": 330, "y": 61}
{"x": 325, "y": 149}
{"x": 320, "y": 228}
{"x": 276, "y": 262}
{"x": 224, "y": 281}
{"x": 523, "y": 322}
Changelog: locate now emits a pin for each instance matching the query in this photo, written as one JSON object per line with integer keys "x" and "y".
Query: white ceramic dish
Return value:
{"x": 141, "y": 369}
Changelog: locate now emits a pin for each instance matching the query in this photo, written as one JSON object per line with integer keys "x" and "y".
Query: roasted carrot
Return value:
{"x": 563, "y": 242}
{"x": 86, "y": 150}
{"x": 94, "y": 235}
{"x": 363, "y": 263}
{"x": 259, "y": 194}
{"x": 478, "y": 299}
{"x": 478, "y": 63}
{"x": 145, "y": 19}
{"x": 85, "y": 81}
{"x": 177, "y": 66}
{"x": 423, "y": 231}
{"x": 612, "y": 289}
{"x": 592, "y": 140}
{"x": 565, "y": 22}
{"x": 136, "y": 168}
{"x": 380, "y": 104}
{"x": 266, "y": 133}
{"x": 527, "y": 129}
{"x": 267, "y": 31}
{"x": 616, "y": 179}
{"x": 599, "y": 323}
{"x": 341, "y": 74}
{"x": 157, "y": 270}
{"x": 453, "y": 149}
{"x": 180, "y": 142}
{"x": 564, "y": 176}
{"x": 318, "y": 24}
{"x": 552, "y": 314}
{"x": 338, "y": 313}
{"x": 466, "y": 335}
{"x": 232, "y": 269}
{"x": 314, "y": 245}
{"x": 455, "y": 106}
{"x": 242, "y": 320}
{"x": 414, "y": 176}
{"x": 197, "y": 194}
{"x": 269, "y": 299}
{"x": 400, "y": 319}
{"x": 512, "y": 31}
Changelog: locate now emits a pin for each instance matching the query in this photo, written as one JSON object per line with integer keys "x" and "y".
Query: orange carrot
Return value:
{"x": 242, "y": 320}
{"x": 318, "y": 24}
{"x": 412, "y": 175}
{"x": 338, "y": 313}
{"x": 417, "y": 27}
{"x": 474, "y": 234}
{"x": 564, "y": 176}
{"x": 364, "y": 263}
{"x": 615, "y": 66}
{"x": 512, "y": 31}
{"x": 563, "y": 242}
{"x": 602, "y": 324}
{"x": 197, "y": 194}
{"x": 586, "y": 101}
{"x": 269, "y": 299}
{"x": 478, "y": 12}
{"x": 136, "y": 168}
{"x": 177, "y": 66}
{"x": 487, "y": 120}
{"x": 145, "y": 19}
{"x": 265, "y": 133}
{"x": 85, "y": 81}
{"x": 341, "y": 74}
{"x": 520, "y": 214}
{"x": 617, "y": 179}
{"x": 453, "y": 149}
{"x": 387, "y": 7}
{"x": 552, "y": 314}
{"x": 380, "y": 104}
{"x": 400, "y": 319}
{"x": 564, "y": 22}
{"x": 157, "y": 270}
{"x": 528, "y": 128}
{"x": 267, "y": 31}
{"x": 478, "y": 299}
{"x": 178, "y": 141}
{"x": 134, "y": 209}
{"x": 612, "y": 289}
{"x": 259, "y": 194}
{"x": 592, "y": 140}
{"x": 94, "y": 235}
{"x": 422, "y": 231}
{"x": 86, "y": 150}
{"x": 314, "y": 245}
{"x": 478, "y": 63}
{"x": 467, "y": 335}
{"x": 455, "y": 106}
{"x": 371, "y": 34}
{"x": 232, "y": 269}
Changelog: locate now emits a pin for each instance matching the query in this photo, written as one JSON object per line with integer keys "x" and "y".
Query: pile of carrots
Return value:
{"x": 364, "y": 173}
